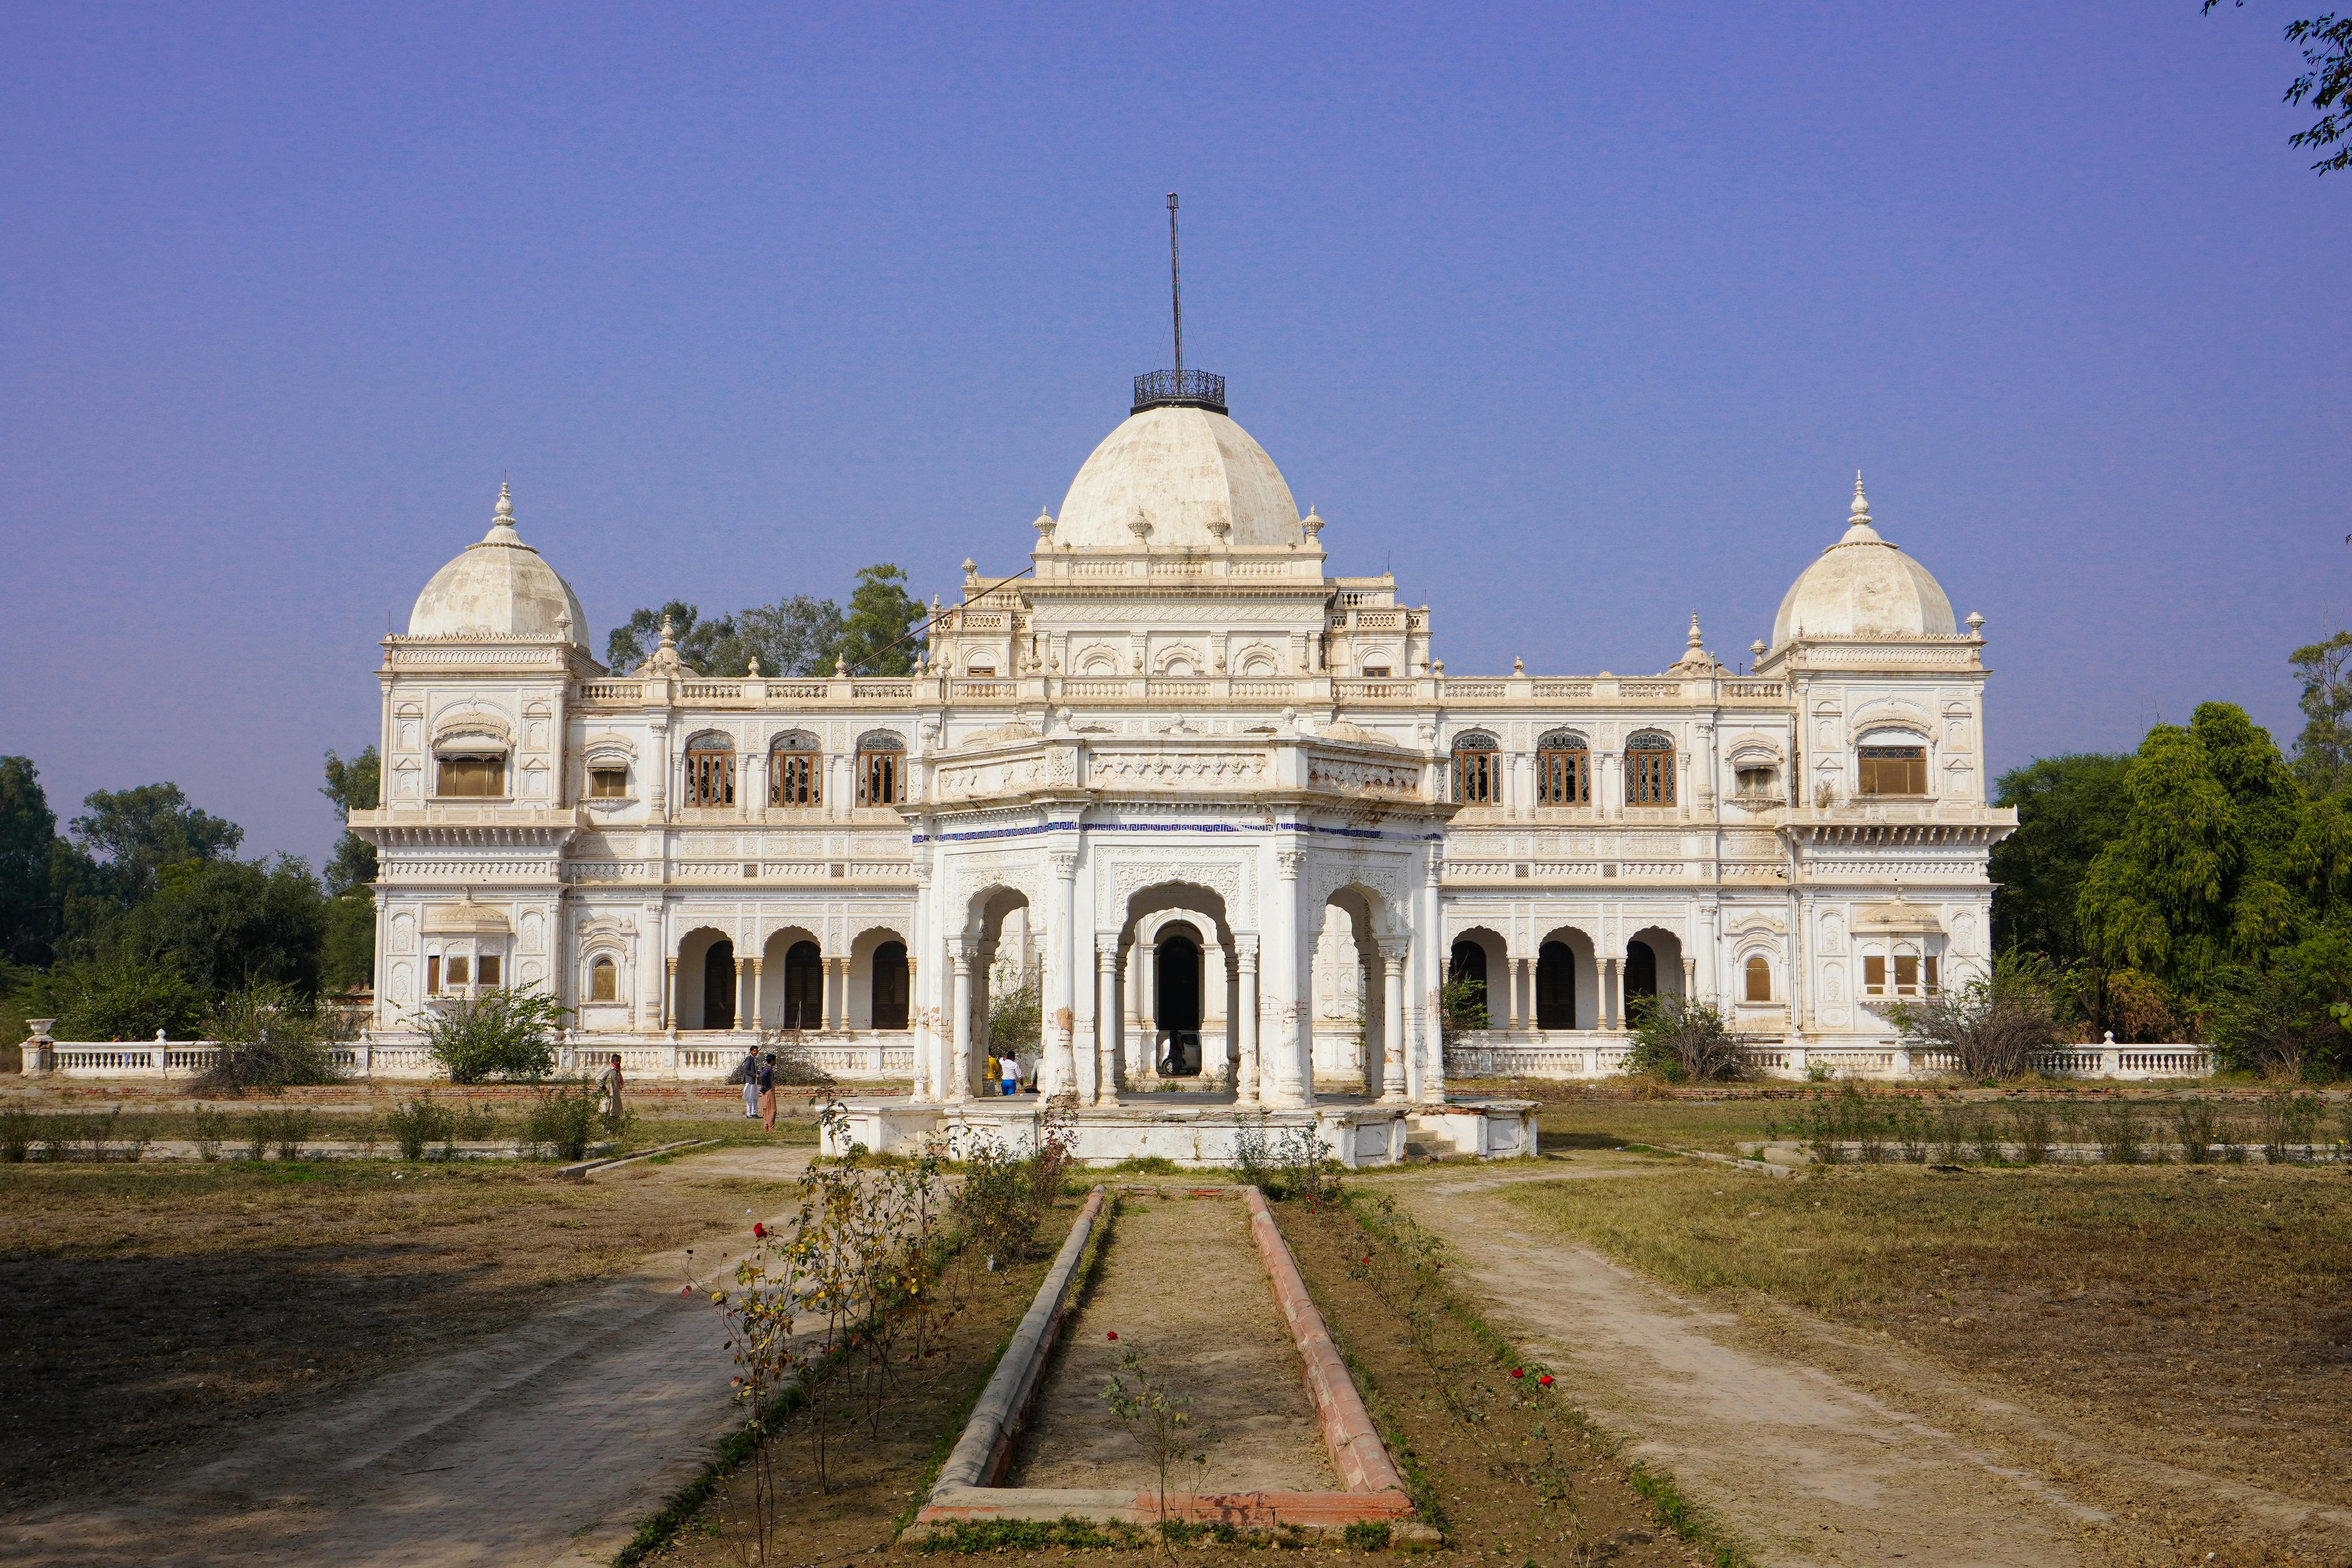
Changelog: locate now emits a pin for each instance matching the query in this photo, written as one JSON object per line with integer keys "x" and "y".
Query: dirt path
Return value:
{"x": 1803, "y": 1466}
{"x": 542, "y": 1446}
{"x": 1182, "y": 1279}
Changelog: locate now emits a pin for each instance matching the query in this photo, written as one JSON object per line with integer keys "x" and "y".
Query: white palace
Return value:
{"x": 1224, "y": 805}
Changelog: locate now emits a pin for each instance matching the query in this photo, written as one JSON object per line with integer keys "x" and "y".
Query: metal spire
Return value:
{"x": 1176, "y": 288}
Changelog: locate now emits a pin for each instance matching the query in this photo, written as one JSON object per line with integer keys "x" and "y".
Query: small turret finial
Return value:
{"x": 668, "y": 633}
{"x": 1695, "y": 638}
{"x": 506, "y": 503}
{"x": 1860, "y": 507}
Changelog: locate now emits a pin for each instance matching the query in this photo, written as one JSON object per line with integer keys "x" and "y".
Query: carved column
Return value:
{"x": 1105, "y": 1086}
{"x": 1392, "y": 962}
{"x": 1511, "y": 967}
{"x": 747, "y": 988}
{"x": 1609, "y": 991}
{"x": 1292, "y": 1081}
{"x": 1430, "y": 1089}
{"x": 670, "y": 991}
{"x": 983, "y": 1006}
{"x": 959, "y": 1086}
{"x": 1058, "y": 1074}
{"x": 1245, "y": 1071}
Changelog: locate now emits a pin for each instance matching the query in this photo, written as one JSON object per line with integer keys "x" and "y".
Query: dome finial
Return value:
{"x": 1860, "y": 507}
{"x": 1696, "y": 641}
{"x": 506, "y": 502}
{"x": 1858, "y": 530}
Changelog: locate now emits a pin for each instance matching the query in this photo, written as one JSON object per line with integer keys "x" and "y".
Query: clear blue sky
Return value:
{"x": 1580, "y": 316}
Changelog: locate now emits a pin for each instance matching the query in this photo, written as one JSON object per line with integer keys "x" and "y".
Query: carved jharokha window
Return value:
{"x": 1477, "y": 770}
{"x": 608, "y": 783}
{"x": 1649, "y": 770}
{"x": 480, "y": 775}
{"x": 1894, "y": 770}
{"x": 795, "y": 771}
{"x": 881, "y": 762}
{"x": 1563, "y": 770}
{"x": 710, "y": 770}
{"x": 1915, "y": 975}
{"x": 605, "y": 981}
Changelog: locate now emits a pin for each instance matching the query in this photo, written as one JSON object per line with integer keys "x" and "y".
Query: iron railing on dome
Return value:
{"x": 1179, "y": 389}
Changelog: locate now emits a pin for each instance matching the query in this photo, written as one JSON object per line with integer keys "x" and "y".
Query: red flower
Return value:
{"x": 1518, "y": 1371}
{"x": 1114, "y": 1333}
{"x": 1368, "y": 1258}
{"x": 1545, "y": 1380}
{"x": 686, "y": 1289}
{"x": 758, "y": 1229}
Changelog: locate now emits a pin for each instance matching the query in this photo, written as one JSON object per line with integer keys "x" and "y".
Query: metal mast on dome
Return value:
{"x": 1178, "y": 389}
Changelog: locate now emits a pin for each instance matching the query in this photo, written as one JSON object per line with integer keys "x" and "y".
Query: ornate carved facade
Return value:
{"x": 1182, "y": 747}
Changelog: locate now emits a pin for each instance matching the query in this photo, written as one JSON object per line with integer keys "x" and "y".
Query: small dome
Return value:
{"x": 1178, "y": 479}
{"x": 1862, "y": 586}
{"x": 500, "y": 587}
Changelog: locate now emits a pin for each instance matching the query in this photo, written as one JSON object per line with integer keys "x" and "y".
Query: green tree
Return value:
{"x": 792, "y": 636}
{"x": 135, "y": 833}
{"x": 711, "y": 647}
{"x": 2222, "y": 866}
{"x": 2068, "y": 809}
{"x": 2325, "y": 41}
{"x": 2322, "y": 753}
{"x": 874, "y": 635}
{"x": 125, "y": 997}
{"x": 347, "y": 946}
{"x": 30, "y": 915}
{"x": 231, "y": 923}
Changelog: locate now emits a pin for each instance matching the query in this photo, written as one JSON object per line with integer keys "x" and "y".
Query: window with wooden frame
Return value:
{"x": 1650, "y": 770}
{"x": 710, "y": 770}
{"x": 459, "y": 970}
{"x": 796, "y": 770}
{"x": 1757, "y": 974}
{"x": 1563, "y": 770}
{"x": 608, "y": 781}
{"x": 604, "y": 980}
{"x": 433, "y": 976}
{"x": 1893, "y": 770}
{"x": 475, "y": 774}
{"x": 881, "y": 768}
{"x": 487, "y": 970}
{"x": 1477, "y": 770}
{"x": 1873, "y": 974}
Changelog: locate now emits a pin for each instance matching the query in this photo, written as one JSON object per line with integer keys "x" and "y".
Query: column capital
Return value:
{"x": 1286, "y": 863}
{"x": 1107, "y": 948}
{"x": 1066, "y": 863}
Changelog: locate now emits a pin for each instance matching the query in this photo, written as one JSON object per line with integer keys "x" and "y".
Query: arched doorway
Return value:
{"x": 804, "y": 987}
{"x": 1556, "y": 986}
{"x": 718, "y": 985}
{"x": 1641, "y": 973}
{"x": 1176, "y": 1005}
{"x": 890, "y": 985}
{"x": 1468, "y": 973}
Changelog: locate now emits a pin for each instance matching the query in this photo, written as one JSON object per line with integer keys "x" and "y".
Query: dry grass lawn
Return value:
{"x": 153, "y": 1306}
{"x": 2199, "y": 1315}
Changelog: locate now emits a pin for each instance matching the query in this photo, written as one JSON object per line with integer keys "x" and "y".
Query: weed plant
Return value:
{"x": 416, "y": 1124}
{"x": 210, "y": 1131}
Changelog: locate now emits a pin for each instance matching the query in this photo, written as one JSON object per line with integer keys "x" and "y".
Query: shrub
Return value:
{"x": 499, "y": 1034}
{"x": 565, "y": 1120}
{"x": 1461, "y": 1003}
{"x": 211, "y": 1129}
{"x": 19, "y": 1130}
{"x": 1994, "y": 1025}
{"x": 795, "y": 1059}
{"x": 2197, "y": 1127}
{"x": 2290, "y": 1121}
{"x": 415, "y": 1124}
{"x": 2117, "y": 1128}
{"x": 1680, "y": 1039}
{"x": 2030, "y": 1129}
{"x": 268, "y": 1040}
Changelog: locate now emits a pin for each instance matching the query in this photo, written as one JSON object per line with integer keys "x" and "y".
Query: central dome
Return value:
{"x": 1195, "y": 477}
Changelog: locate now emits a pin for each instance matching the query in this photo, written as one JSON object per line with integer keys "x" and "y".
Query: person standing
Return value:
{"x": 751, "y": 1071}
{"x": 768, "y": 1093}
{"x": 608, "y": 1094}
